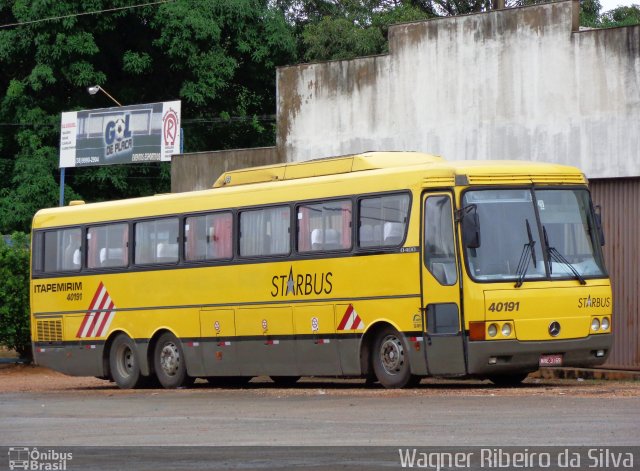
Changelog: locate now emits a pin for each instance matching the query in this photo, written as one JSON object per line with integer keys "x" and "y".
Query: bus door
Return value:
{"x": 441, "y": 314}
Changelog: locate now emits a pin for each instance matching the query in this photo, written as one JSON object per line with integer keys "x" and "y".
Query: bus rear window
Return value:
{"x": 383, "y": 220}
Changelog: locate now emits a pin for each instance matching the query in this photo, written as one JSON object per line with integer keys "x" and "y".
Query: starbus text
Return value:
{"x": 301, "y": 284}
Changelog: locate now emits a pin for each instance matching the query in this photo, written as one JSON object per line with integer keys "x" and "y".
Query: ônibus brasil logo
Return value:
{"x": 26, "y": 458}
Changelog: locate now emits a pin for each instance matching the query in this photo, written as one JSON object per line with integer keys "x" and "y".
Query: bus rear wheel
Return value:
{"x": 390, "y": 360}
{"x": 124, "y": 363}
{"x": 169, "y": 362}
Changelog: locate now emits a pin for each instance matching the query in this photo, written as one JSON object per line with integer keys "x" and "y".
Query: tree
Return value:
{"x": 622, "y": 16}
{"x": 14, "y": 294}
{"x": 359, "y": 29}
{"x": 217, "y": 56}
{"x": 590, "y": 13}
{"x": 333, "y": 29}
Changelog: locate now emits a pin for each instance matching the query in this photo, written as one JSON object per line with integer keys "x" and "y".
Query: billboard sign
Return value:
{"x": 123, "y": 135}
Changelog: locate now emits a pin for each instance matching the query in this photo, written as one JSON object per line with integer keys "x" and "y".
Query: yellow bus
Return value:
{"x": 390, "y": 266}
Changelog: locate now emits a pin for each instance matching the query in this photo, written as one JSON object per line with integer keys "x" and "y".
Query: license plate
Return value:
{"x": 550, "y": 360}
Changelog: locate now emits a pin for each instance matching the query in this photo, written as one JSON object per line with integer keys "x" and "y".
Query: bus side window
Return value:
{"x": 62, "y": 250}
{"x": 156, "y": 241}
{"x": 383, "y": 220}
{"x": 265, "y": 231}
{"x": 107, "y": 246}
{"x": 208, "y": 237}
{"x": 324, "y": 226}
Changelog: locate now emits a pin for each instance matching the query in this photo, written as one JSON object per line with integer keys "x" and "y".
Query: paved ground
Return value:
{"x": 42, "y": 408}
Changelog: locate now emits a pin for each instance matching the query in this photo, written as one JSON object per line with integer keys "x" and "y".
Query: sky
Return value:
{"x": 611, "y": 4}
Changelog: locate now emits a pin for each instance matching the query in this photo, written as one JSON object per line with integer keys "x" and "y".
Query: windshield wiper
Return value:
{"x": 528, "y": 252}
{"x": 554, "y": 255}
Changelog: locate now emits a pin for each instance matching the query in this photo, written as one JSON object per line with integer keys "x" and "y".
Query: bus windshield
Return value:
{"x": 529, "y": 234}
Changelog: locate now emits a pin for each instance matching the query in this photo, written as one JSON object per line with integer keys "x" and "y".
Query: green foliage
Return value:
{"x": 590, "y": 13}
{"x": 622, "y": 16}
{"x": 217, "y": 56}
{"x": 347, "y": 29}
{"x": 14, "y": 294}
{"x": 339, "y": 38}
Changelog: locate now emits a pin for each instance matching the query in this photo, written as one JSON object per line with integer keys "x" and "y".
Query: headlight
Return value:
{"x": 605, "y": 323}
{"x": 506, "y": 329}
{"x": 595, "y": 324}
{"x": 493, "y": 330}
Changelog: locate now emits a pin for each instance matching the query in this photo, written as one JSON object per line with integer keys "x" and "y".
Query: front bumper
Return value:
{"x": 516, "y": 356}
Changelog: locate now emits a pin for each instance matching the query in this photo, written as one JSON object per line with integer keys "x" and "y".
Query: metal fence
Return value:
{"x": 620, "y": 202}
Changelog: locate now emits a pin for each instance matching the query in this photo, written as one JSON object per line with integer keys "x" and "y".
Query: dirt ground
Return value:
{"x": 28, "y": 378}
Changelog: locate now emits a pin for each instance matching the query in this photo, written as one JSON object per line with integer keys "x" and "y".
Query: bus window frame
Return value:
{"x": 235, "y": 259}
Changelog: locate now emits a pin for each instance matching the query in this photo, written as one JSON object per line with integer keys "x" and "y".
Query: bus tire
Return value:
{"x": 390, "y": 360}
{"x": 511, "y": 380}
{"x": 169, "y": 362}
{"x": 285, "y": 381}
{"x": 124, "y": 363}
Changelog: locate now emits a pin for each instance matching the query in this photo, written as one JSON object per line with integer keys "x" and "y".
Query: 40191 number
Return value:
{"x": 74, "y": 297}
{"x": 509, "y": 306}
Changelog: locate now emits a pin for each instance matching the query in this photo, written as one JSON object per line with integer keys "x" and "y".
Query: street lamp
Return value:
{"x": 97, "y": 88}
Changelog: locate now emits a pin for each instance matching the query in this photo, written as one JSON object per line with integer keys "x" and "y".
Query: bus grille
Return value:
{"x": 50, "y": 331}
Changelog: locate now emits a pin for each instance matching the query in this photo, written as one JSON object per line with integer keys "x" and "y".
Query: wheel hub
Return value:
{"x": 170, "y": 359}
{"x": 392, "y": 354}
{"x": 126, "y": 364}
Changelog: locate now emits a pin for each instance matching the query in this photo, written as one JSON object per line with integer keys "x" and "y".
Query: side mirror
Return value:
{"x": 470, "y": 227}
{"x": 599, "y": 228}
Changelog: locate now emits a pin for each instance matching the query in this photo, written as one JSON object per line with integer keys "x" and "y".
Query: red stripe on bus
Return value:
{"x": 345, "y": 318}
{"x": 99, "y": 333}
{"x": 91, "y": 308}
{"x": 97, "y": 314}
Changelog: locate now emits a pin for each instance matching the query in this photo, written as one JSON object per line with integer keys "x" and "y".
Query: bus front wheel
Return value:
{"x": 169, "y": 362}
{"x": 390, "y": 359}
{"x": 124, "y": 364}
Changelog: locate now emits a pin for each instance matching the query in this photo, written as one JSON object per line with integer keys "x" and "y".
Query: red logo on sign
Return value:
{"x": 98, "y": 318}
{"x": 170, "y": 129}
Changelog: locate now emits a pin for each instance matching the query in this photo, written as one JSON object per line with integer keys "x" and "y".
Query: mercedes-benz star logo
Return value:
{"x": 554, "y": 329}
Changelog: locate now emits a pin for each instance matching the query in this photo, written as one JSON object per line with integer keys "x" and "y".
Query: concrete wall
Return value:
{"x": 518, "y": 83}
{"x": 199, "y": 170}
